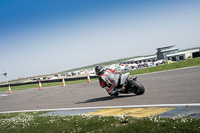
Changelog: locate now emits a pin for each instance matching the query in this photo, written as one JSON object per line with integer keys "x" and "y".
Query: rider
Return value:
{"x": 108, "y": 79}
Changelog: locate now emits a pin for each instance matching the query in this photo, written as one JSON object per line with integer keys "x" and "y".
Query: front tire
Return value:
{"x": 136, "y": 86}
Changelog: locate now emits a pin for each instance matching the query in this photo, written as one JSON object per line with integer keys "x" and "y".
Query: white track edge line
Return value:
{"x": 106, "y": 107}
{"x": 170, "y": 70}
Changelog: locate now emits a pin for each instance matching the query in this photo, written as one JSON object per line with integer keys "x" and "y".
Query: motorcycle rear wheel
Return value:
{"x": 136, "y": 86}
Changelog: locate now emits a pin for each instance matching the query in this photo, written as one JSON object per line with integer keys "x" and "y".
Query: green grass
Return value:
{"x": 33, "y": 122}
{"x": 177, "y": 65}
{"x": 30, "y": 86}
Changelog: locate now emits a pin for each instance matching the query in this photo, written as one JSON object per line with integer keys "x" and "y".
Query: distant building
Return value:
{"x": 162, "y": 52}
{"x": 183, "y": 55}
{"x": 166, "y": 53}
{"x": 141, "y": 59}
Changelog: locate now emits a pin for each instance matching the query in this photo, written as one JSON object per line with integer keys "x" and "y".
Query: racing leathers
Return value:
{"x": 109, "y": 79}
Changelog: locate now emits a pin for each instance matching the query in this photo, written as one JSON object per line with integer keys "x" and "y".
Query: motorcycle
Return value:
{"x": 128, "y": 85}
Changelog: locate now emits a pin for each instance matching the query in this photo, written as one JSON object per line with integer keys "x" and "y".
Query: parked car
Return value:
{"x": 52, "y": 77}
{"x": 68, "y": 74}
{"x": 63, "y": 74}
{"x": 150, "y": 64}
{"x": 92, "y": 73}
{"x": 44, "y": 78}
{"x": 158, "y": 62}
{"x": 74, "y": 73}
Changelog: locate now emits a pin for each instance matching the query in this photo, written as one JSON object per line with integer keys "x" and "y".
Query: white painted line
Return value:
{"x": 105, "y": 107}
{"x": 170, "y": 70}
{"x": 3, "y": 95}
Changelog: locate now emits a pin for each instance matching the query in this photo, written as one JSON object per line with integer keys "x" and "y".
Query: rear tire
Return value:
{"x": 136, "y": 86}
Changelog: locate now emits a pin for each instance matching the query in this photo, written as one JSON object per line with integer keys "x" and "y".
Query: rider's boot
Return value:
{"x": 113, "y": 93}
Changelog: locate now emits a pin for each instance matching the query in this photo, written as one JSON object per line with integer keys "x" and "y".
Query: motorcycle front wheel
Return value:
{"x": 136, "y": 87}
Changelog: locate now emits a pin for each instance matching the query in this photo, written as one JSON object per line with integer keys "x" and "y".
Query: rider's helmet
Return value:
{"x": 97, "y": 69}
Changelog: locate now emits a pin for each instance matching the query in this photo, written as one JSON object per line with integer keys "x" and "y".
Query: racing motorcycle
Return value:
{"x": 128, "y": 85}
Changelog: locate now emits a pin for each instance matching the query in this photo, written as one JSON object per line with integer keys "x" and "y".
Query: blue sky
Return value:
{"x": 47, "y": 36}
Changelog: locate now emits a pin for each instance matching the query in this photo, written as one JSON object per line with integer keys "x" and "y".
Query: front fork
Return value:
{"x": 124, "y": 89}
{"x": 132, "y": 86}
{"x": 134, "y": 78}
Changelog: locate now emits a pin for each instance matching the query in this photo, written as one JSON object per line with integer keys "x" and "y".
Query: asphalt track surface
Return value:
{"x": 170, "y": 87}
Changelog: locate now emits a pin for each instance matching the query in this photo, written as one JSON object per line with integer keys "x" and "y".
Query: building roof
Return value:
{"x": 184, "y": 52}
{"x": 142, "y": 58}
{"x": 172, "y": 49}
{"x": 166, "y": 46}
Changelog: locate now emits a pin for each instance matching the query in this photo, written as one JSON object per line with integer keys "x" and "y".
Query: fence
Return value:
{"x": 49, "y": 81}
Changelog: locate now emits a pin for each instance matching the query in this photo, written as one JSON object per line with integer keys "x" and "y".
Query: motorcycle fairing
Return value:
{"x": 123, "y": 78}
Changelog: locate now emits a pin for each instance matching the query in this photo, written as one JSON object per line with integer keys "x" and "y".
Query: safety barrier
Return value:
{"x": 50, "y": 81}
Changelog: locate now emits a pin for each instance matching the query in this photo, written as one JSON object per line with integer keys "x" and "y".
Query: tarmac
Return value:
{"x": 168, "y": 94}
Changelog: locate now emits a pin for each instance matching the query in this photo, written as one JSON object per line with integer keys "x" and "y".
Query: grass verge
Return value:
{"x": 30, "y": 86}
{"x": 33, "y": 122}
{"x": 177, "y": 65}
